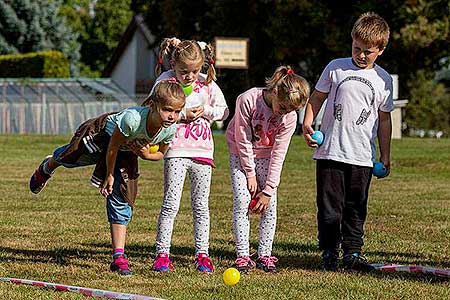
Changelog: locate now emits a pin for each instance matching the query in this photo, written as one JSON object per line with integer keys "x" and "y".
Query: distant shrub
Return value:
{"x": 429, "y": 106}
{"x": 44, "y": 64}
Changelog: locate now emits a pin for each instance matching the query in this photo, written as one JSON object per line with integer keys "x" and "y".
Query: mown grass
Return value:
{"x": 62, "y": 234}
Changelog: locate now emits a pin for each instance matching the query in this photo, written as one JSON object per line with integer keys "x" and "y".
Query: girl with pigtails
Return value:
{"x": 192, "y": 149}
{"x": 258, "y": 138}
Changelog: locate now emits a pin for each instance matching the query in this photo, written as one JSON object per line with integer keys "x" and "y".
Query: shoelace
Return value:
{"x": 121, "y": 262}
{"x": 203, "y": 260}
{"x": 269, "y": 261}
{"x": 244, "y": 261}
{"x": 162, "y": 260}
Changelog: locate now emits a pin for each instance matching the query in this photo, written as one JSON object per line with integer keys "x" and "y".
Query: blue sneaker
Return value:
{"x": 329, "y": 261}
{"x": 356, "y": 262}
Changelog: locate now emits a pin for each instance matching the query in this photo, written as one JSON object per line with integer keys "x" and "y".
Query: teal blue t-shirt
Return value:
{"x": 132, "y": 122}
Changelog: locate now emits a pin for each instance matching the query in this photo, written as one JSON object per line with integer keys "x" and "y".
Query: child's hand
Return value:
{"x": 107, "y": 186}
{"x": 387, "y": 166}
{"x": 252, "y": 186}
{"x": 262, "y": 204}
{"x": 307, "y": 131}
{"x": 139, "y": 148}
{"x": 194, "y": 113}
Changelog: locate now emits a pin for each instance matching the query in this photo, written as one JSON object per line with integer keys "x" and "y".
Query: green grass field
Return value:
{"x": 62, "y": 234}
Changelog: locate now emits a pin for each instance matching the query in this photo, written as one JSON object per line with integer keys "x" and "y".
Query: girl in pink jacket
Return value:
{"x": 191, "y": 152}
{"x": 258, "y": 138}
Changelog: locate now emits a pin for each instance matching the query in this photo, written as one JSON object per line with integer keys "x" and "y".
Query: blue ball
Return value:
{"x": 318, "y": 136}
{"x": 379, "y": 170}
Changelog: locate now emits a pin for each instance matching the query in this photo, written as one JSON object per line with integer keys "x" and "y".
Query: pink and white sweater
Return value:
{"x": 255, "y": 132}
{"x": 194, "y": 139}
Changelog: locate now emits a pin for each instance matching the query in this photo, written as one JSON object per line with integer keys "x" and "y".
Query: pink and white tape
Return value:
{"x": 412, "y": 269}
{"x": 77, "y": 289}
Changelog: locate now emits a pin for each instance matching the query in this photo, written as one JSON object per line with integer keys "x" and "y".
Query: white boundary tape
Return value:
{"x": 77, "y": 289}
{"x": 412, "y": 269}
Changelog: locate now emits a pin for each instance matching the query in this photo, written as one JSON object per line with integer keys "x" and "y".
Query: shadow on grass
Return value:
{"x": 407, "y": 259}
{"x": 58, "y": 256}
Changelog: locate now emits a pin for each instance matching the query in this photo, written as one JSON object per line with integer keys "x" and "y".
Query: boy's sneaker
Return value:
{"x": 162, "y": 263}
{"x": 120, "y": 265}
{"x": 329, "y": 261}
{"x": 356, "y": 262}
{"x": 244, "y": 264}
{"x": 267, "y": 263}
{"x": 203, "y": 263}
{"x": 39, "y": 178}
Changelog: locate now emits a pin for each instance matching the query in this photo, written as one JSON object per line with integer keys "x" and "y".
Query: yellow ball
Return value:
{"x": 231, "y": 276}
{"x": 153, "y": 148}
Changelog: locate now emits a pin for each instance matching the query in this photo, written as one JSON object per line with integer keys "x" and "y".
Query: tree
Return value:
{"x": 100, "y": 24}
{"x": 30, "y": 26}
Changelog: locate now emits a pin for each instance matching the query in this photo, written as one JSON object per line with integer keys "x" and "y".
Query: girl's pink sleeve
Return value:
{"x": 216, "y": 109}
{"x": 279, "y": 150}
{"x": 243, "y": 134}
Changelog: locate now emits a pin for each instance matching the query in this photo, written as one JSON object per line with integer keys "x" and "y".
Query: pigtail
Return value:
{"x": 209, "y": 57}
{"x": 166, "y": 49}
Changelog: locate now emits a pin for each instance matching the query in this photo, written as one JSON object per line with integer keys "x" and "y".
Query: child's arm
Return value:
{"x": 243, "y": 137}
{"x": 216, "y": 108}
{"x": 116, "y": 140}
{"x": 142, "y": 150}
{"x": 279, "y": 150}
{"x": 384, "y": 139}
{"x": 312, "y": 108}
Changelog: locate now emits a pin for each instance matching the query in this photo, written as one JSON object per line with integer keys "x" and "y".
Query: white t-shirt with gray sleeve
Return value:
{"x": 350, "y": 119}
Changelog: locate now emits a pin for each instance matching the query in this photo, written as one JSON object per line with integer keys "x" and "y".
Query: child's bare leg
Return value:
{"x": 118, "y": 235}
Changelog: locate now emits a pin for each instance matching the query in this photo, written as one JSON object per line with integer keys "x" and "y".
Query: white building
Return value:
{"x": 133, "y": 61}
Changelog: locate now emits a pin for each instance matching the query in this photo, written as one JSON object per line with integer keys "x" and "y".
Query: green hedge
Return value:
{"x": 44, "y": 64}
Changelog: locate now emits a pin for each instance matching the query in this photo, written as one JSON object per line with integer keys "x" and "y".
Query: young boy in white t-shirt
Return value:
{"x": 359, "y": 94}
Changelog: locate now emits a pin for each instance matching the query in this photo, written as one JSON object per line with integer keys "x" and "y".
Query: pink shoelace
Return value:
{"x": 121, "y": 262}
{"x": 204, "y": 261}
{"x": 269, "y": 261}
{"x": 162, "y": 261}
{"x": 244, "y": 261}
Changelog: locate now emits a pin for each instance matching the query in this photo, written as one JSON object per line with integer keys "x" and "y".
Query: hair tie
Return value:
{"x": 172, "y": 80}
{"x": 289, "y": 71}
{"x": 160, "y": 60}
{"x": 211, "y": 61}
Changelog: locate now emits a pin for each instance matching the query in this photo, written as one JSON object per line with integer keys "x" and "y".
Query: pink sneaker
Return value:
{"x": 244, "y": 264}
{"x": 203, "y": 263}
{"x": 162, "y": 263}
{"x": 120, "y": 265}
{"x": 267, "y": 263}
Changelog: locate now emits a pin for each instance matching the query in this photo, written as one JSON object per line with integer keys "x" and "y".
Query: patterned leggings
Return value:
{"x": 241, "y": 200}
{"x": 200, "y": 178}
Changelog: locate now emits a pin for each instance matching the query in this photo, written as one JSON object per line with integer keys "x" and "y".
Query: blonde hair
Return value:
{"x": 187, "y": 52}
{"x": 372, "y": 30}
{"x": 165, "y": 92}
{"x": 292, "y": 90}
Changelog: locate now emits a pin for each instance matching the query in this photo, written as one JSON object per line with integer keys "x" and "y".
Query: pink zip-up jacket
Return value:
{"x": 194, "y": 139}
{"x": 255, "y": 132}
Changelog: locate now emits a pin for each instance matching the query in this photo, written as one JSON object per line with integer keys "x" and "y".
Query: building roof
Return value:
{"x": 136, "y": 23}
{"x": 61, "y": 90}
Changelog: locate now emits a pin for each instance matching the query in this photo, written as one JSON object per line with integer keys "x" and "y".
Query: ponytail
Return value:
{"x": 209, "y": 57}
{"x": 166, "y": 49}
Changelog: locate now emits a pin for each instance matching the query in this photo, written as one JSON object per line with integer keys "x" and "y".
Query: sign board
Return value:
{"x": 231, "y": 53}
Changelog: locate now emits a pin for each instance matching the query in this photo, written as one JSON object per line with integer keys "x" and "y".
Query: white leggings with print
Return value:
{"x": 200, "y": 178}
{"x": 241, "y": 201}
